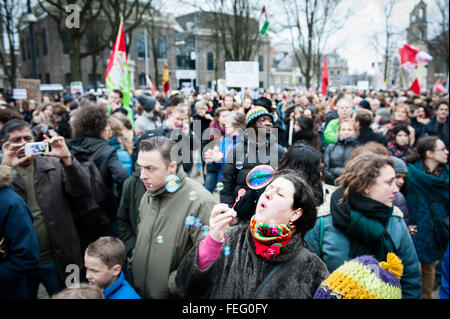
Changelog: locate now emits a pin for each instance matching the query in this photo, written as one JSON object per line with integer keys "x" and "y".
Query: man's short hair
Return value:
{"x": 179, "y": 110}
{"x": 118, "y": 92}
{"x": 110, "y": 250}
{"x": 158, "y": 143}
{"x": 13, "y": 125}
{"x": 364, "y": 117}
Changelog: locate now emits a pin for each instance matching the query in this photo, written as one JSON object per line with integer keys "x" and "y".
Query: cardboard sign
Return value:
{"x": 19, "y": 94}
{"x": 242, "y": 74}
{"x": 33, "y": 88}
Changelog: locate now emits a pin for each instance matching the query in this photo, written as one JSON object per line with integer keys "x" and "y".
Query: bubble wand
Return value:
{"x": 241, "y": 194}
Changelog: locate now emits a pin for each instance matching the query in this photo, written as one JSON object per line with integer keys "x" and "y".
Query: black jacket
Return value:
{"x": 235, "y": 176}
{"x": 368, "y": 135}
{"x": 111, "y": 169}
{"x": 337, "y": 155}
{"x": 441, "y": 130}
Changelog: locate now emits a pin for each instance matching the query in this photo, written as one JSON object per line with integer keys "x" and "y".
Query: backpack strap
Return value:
{"x": 91, "y": 157}
{"x": 270, "y": 275}
{"x": 321, "y": 230}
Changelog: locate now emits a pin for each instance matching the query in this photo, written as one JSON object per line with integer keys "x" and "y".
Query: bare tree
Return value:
{"x": 439, "y": 43}
{"x": 385, "y": 42}
{"x": 10, "y": 12}
{"x": 310, "y": 24}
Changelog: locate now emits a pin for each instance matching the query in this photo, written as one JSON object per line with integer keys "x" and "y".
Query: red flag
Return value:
{"x": 150, "y": 84}
{"x": 166, "y": 85}
{"x": 438, "y": 87}
{"x": 325, "y": 77}
{"x": 408, "y": 54}
{"x": 415, "y": 87}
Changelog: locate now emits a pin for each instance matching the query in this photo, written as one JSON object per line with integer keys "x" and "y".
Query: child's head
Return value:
{"x": 348, "y": 128}
{"x": 401, "y": 134}
{"x": 103, "y": 261}
{"x": 83, "y": 291}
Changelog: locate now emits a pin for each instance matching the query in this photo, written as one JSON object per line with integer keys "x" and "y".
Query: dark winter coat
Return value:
{"x": 368, "y": 135}
{"x": 16, "y": 227}
{"x": 238, "y": 275}
{"x": 235, "y": 178}
{"x": 54, "y": 184}
{"x": 441, "y": 130}
{"x": 337, "y": 155}
{"x": 106, "y": 160}
{"x": 128, "y": 213}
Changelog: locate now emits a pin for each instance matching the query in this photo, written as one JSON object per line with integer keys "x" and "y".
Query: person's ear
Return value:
{"x": 296, "y": 214}
{"x": 116, "y": 270}
{"x": 173, "y": 168}
{"x": 429, "y": 154}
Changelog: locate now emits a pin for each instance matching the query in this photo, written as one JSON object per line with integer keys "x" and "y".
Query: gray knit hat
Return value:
{"x": 399, "y": 165}
{"x": 148, "y": 103}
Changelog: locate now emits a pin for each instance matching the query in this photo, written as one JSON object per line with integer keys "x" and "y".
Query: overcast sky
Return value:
{"x": 354, "y": 39}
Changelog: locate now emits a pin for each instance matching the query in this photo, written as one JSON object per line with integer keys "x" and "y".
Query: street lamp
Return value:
{"x": 31, "y": 19}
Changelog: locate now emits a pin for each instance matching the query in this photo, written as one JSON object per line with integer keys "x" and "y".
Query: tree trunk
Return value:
{"x": 75, "y": 60}
{"x": 94, "y": 70}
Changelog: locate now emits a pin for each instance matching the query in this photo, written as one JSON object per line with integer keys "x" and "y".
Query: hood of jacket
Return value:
{"x": 83, "y": 146}
{"x": 7, "y": 175}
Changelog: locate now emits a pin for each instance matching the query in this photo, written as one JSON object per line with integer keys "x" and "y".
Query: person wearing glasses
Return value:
{"x": 427, "y": 203}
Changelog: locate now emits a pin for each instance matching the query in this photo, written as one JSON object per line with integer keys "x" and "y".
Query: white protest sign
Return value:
{"x": 242, "y": 74}
{"x": 363, "y": 85}
{"x": 19, "y": 94}
{"x": 76, "y": 87}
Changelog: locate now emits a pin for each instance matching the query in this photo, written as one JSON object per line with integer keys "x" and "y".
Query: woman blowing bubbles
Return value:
{"x": 267, "y": 257}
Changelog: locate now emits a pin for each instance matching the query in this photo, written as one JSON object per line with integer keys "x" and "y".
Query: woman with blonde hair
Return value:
{"x": 400, "y": 115}
{"x": 362, "y": 220}
{"x": 122, "y": 139}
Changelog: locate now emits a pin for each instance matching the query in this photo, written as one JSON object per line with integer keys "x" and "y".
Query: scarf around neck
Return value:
{"x": 397, "y": 150}
{"x": 269, "y": 239}
{"x": 364, "y": 221}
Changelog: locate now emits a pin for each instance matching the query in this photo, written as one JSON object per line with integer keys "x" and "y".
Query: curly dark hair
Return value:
{"x": 90, "y": 120}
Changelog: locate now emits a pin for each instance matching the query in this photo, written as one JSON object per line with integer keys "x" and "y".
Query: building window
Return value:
{"x": 261, "y": 63}
{"x": 44, "y": 43}
{"x": 261, "y": 84}
{"x": 141, "y": 46}
{"x": 161, "y": 52}
{"x": 142, "y": 81}
{"x": 185, "y": 45}
{"x": 338, "y": 72}
{"x": 210, "y": 62}
{"x": 47, "y": 78}
{"x": 91, "y": 78}
{"x": 68, "y": 78}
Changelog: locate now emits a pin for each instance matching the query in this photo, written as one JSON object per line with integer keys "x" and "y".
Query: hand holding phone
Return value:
{"x": 36, "y": 148}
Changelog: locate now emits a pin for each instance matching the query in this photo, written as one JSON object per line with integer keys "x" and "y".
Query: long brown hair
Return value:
{"x": 361, "y": 172}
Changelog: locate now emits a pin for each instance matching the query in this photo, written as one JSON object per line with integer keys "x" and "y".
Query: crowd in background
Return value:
{"x": 320, "y": 137}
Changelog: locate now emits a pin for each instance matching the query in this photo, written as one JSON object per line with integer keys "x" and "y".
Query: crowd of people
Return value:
{"x": 236, "y": 195}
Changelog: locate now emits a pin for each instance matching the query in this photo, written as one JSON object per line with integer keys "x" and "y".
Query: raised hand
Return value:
{"x": 221, "y": 217}
{"x": 59, "y": 149}
{"x": 13, "y": 154}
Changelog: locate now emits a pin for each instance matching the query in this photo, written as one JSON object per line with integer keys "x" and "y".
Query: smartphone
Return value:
{"x": 36, "y": 148}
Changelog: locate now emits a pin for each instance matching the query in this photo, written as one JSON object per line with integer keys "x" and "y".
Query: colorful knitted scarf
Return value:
{"x": 396, "y": 150}
{"x": 269, "y": 239}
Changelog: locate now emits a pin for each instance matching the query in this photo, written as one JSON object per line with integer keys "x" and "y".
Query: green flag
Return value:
{"x": 266, "y": 22}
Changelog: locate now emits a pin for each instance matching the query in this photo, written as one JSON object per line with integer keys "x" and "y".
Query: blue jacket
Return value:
{"x": 123, "y": 156}
{"x": 120, "y": 289}
{"x": 336, "y": 249}
{"x": 16, "y": 226}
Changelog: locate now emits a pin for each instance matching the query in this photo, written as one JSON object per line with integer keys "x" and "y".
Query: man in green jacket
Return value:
{"x": 127, "y": 216}
{"x": 171, "y": 220}
{"x": 116, "y": 105}
{"x": 344, "y": 110}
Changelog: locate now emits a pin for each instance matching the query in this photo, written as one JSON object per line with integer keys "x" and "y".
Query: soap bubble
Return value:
{"x": 205, "y": 230}
{"x": 159, "y": 239}
{"x": 260, "y": 176}
{"x": 193, "y": 195}
{"x": 189, "y": 220}
{"x": 239, "y": 165}
{"x": 172, "y": 183}
{"x": 198, "y": 222}
{"x": 226, "y": 250}
{"x": 219, "y": 186}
